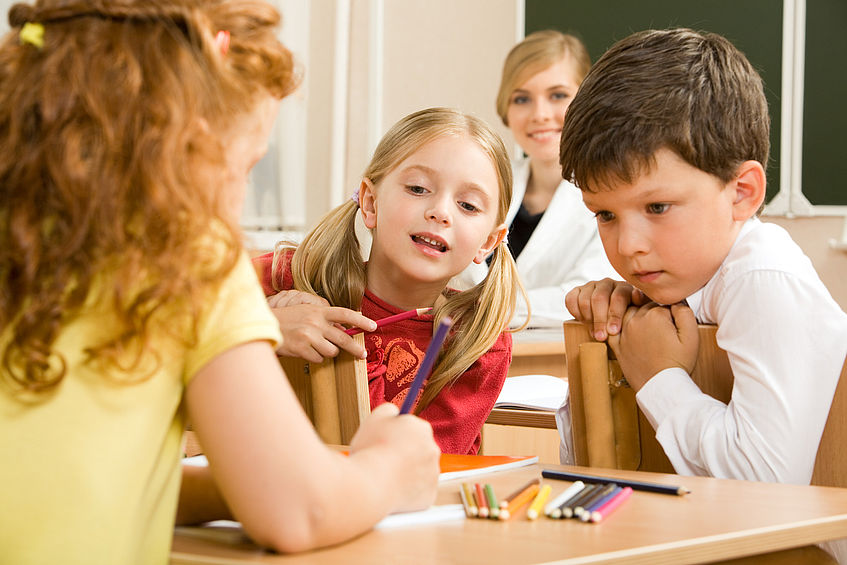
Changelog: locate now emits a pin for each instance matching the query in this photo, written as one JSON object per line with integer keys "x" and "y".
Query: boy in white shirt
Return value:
{"x": 667, "y": 138}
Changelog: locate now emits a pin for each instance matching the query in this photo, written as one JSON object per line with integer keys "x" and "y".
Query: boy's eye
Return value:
{"x": 657, "y": 208}
{"x": 604, "y": 216}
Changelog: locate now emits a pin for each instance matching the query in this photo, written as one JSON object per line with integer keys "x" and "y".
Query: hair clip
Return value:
{"x": 355, "y": 196}
{"x": 222, "y": 40}
{"x": 32, "y": 33}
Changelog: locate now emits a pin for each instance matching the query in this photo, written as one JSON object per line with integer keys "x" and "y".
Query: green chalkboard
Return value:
{"x": 825, "y": 103}
{"x": 754, "y": 26}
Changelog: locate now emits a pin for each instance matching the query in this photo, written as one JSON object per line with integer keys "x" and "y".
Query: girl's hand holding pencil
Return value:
{"x": 407, "y": 453}
{"x": 312, "y": 329}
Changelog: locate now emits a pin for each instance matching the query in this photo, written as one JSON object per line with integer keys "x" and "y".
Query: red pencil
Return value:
{"x": 391, "y": 319}
{"x": 481, "y": 501}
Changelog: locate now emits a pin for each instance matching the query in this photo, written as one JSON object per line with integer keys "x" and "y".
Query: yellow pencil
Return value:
{"x": 468, "y": 501}
{"x": 538, "y": 503}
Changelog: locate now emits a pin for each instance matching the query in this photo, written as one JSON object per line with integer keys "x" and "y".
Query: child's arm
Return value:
{"x": 602, "y": 304}
{"x": 312, "y": 329}
{"x": 654, "y": 338}
{"x": 290, "y": 491}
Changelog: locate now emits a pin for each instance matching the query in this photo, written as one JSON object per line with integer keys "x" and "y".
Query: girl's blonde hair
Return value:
{"x": 535, "y": 53}
{"x": 110, "y": 163}
{"x": 329, "y": 263}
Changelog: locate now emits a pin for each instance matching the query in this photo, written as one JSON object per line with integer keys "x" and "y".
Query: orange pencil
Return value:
{"x": 505, "y": 502}
{"x": 520, "y": 500}
{"x": 481, "y": 501}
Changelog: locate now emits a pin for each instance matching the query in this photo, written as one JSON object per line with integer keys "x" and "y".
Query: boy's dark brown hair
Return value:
{"x": 694, "y": 93}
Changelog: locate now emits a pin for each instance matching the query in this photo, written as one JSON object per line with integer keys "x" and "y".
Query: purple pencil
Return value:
{"x": 426, "y": 365}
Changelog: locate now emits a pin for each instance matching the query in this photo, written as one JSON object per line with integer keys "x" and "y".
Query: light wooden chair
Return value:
{"x": 334, "y": 394}
{"x": 610, "y": 431}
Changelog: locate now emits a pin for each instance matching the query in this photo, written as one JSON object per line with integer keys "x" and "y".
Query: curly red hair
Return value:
{"x": 108, "y": 156}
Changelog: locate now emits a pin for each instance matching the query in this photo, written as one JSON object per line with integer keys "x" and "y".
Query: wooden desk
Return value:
{"x": 719, "y": 520}
{"x": 538, "y": 352}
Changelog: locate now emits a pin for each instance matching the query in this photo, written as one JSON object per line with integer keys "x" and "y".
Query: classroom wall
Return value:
{"x": 439, "y": 52}
{"x": 412, "y": 55}
{"x": 813, "y": 235}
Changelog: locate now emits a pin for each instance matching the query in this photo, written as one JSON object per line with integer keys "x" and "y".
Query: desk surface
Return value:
{"x": 720, "y": 519}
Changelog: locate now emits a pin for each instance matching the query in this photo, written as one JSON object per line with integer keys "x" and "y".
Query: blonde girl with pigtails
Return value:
{"x": 434, "y": 198}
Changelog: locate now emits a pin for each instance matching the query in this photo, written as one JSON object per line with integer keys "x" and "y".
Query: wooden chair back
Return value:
{"x": 334, "y": 394}
{"x": 609, "y": 430}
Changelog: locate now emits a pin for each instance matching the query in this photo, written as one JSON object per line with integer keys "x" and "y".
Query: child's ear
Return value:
{"x": 367, "y": 203}
{"x": 749, "y": 185}
{"x": 494, "y": 239}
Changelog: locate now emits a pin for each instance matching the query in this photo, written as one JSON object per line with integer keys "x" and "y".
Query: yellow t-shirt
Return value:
{"x": 90, "y": 476}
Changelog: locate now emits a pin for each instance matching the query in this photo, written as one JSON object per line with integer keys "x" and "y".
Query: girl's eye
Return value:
{"x": 468, "y": 207}
{"x": 658, "y": 208}
{"x": 415, "y": 189}
{"x": 604, "y": 216}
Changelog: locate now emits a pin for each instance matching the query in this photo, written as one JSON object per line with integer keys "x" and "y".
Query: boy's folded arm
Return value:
{"x": 783, "y": 386}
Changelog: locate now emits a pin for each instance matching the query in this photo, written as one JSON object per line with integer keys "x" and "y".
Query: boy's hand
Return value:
{"x": 654, "y": 338}
{"x": 313, "y": 330}
{"x": 602, "y": 305}
{"x": 405, "y": 443}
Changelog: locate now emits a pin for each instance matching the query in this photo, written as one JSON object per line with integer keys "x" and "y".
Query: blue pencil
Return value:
{"x": 426, "y": 365}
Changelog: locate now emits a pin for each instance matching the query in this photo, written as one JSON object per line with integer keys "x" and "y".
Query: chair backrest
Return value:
{"x": 334, "y": 394}
{"x": 610, "y": 431}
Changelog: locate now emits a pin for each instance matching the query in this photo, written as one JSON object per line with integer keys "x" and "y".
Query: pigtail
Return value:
{"x": 329, "y": 262}
{"x": 480, "y": 314}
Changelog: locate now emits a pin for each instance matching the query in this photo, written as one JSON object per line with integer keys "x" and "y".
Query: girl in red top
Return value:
{"x": 434, "y": 198}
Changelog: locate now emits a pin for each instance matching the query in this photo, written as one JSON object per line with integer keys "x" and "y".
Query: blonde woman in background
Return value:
{"x": 552, "y": 236}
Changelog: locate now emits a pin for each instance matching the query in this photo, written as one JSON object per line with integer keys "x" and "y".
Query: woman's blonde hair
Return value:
{"x": 329, "y": 263}
{"x": 535, "y": 53}
{"x": 110, "y": 159}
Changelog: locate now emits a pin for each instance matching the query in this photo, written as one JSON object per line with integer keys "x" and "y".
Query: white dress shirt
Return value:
{"x": 786, "y": 339}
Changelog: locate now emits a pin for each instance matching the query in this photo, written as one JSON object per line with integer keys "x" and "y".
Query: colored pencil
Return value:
{"x": 552, "y": 508}
{"x": 481, "y": 501}
{"x": 568, "y": 507}
{"x": 505, "y": 502}
{"x": 590, "y": 507}
{"x": 600, "y": 514}
{"x": 391, "y": 319}
{"x": 493, "y": 506}
{"x": 596, "y": 495}
{"x": 517, "y": 502}
{"x": 426, "y": 364}
{"x": 471, "y": 509}
{"x": 538, "y": 502}
{"x": 635, "y": 485}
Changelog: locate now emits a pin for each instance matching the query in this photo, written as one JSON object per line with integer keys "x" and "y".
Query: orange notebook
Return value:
{"x": 461, "y": 466}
